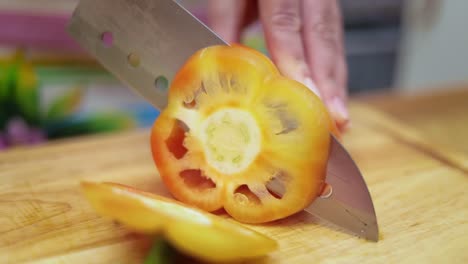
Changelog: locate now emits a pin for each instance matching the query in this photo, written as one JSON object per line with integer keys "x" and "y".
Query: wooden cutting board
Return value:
{"x": 420, "y": 195}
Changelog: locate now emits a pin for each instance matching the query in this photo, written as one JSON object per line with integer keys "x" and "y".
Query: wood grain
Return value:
{"x": 440, "y": 115}
{"x": 421, "y": 202}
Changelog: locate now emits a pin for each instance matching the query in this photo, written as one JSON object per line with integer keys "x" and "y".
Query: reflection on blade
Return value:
{"x": 350, "y": 204}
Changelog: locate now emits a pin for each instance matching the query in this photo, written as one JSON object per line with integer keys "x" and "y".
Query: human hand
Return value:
{"x": 304, "y": 38}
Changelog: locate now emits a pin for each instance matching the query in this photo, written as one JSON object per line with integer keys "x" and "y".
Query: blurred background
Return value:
{"x": 51, "y": 89}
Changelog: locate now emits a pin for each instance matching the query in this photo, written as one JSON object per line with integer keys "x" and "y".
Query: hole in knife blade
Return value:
{"x": 107, "y": 39}
{"x": 161, "y": 83}
{"x": 326, "y": 191}
{"x": 133, "y": 59}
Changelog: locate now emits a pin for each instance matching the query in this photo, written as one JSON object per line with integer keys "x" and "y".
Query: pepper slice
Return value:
{"x": 190, "y": 230}
{"x": 237, "y": 135}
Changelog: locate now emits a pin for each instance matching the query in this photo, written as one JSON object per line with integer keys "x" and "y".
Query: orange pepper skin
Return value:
{"x": 238, "y": 135}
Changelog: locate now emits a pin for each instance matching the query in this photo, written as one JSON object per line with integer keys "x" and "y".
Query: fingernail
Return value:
{"x": 339, "y": 111}
{"x": 311, "y": 85}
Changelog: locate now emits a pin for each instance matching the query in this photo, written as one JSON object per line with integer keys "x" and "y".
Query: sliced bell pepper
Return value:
{"x": 192, "y": 231}
{"x": 238, "y": 135}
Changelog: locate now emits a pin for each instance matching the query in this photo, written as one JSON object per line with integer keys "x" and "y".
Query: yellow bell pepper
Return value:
{"x": 199, "y": 234}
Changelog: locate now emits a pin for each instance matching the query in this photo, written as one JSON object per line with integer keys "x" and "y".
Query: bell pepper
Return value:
{"x": 192, "y": 231}
{"x": 238, "y": 135}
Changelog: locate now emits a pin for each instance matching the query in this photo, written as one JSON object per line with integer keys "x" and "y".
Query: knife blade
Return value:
{"x": 143, "y": 41}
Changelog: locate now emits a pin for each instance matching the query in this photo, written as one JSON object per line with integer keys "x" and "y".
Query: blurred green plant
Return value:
{"x": 20, "y": 108}
{"x": 65, "y": 105}
{"x": 161, "y": 252}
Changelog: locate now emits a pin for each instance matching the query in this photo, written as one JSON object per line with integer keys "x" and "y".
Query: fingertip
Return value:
{"x": 311, "y": 85}
{"x": 336, "y": 105}
{"x": 339, "y": 112}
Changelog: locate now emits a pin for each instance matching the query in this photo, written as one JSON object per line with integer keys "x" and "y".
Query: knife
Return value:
{"x": 144, "y": 43}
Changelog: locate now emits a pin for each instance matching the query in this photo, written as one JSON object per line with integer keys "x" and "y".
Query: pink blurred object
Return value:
{"x": 43, "y": 31}
{"x": 36, "y": 136}
{"x": 18, "y": 133}
{"x": 3, "y": 143}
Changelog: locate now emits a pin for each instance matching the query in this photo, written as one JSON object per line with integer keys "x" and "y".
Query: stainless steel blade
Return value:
{"x": 153, "y": 38}
{"x": 150, "y": 38}
{"x": 350, "y": 205}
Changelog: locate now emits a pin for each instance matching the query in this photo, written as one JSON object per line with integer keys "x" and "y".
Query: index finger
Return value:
{"x": 225, "y": 18}
{"x": 282, "y": 24}
{"x": 323, "y": 38}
